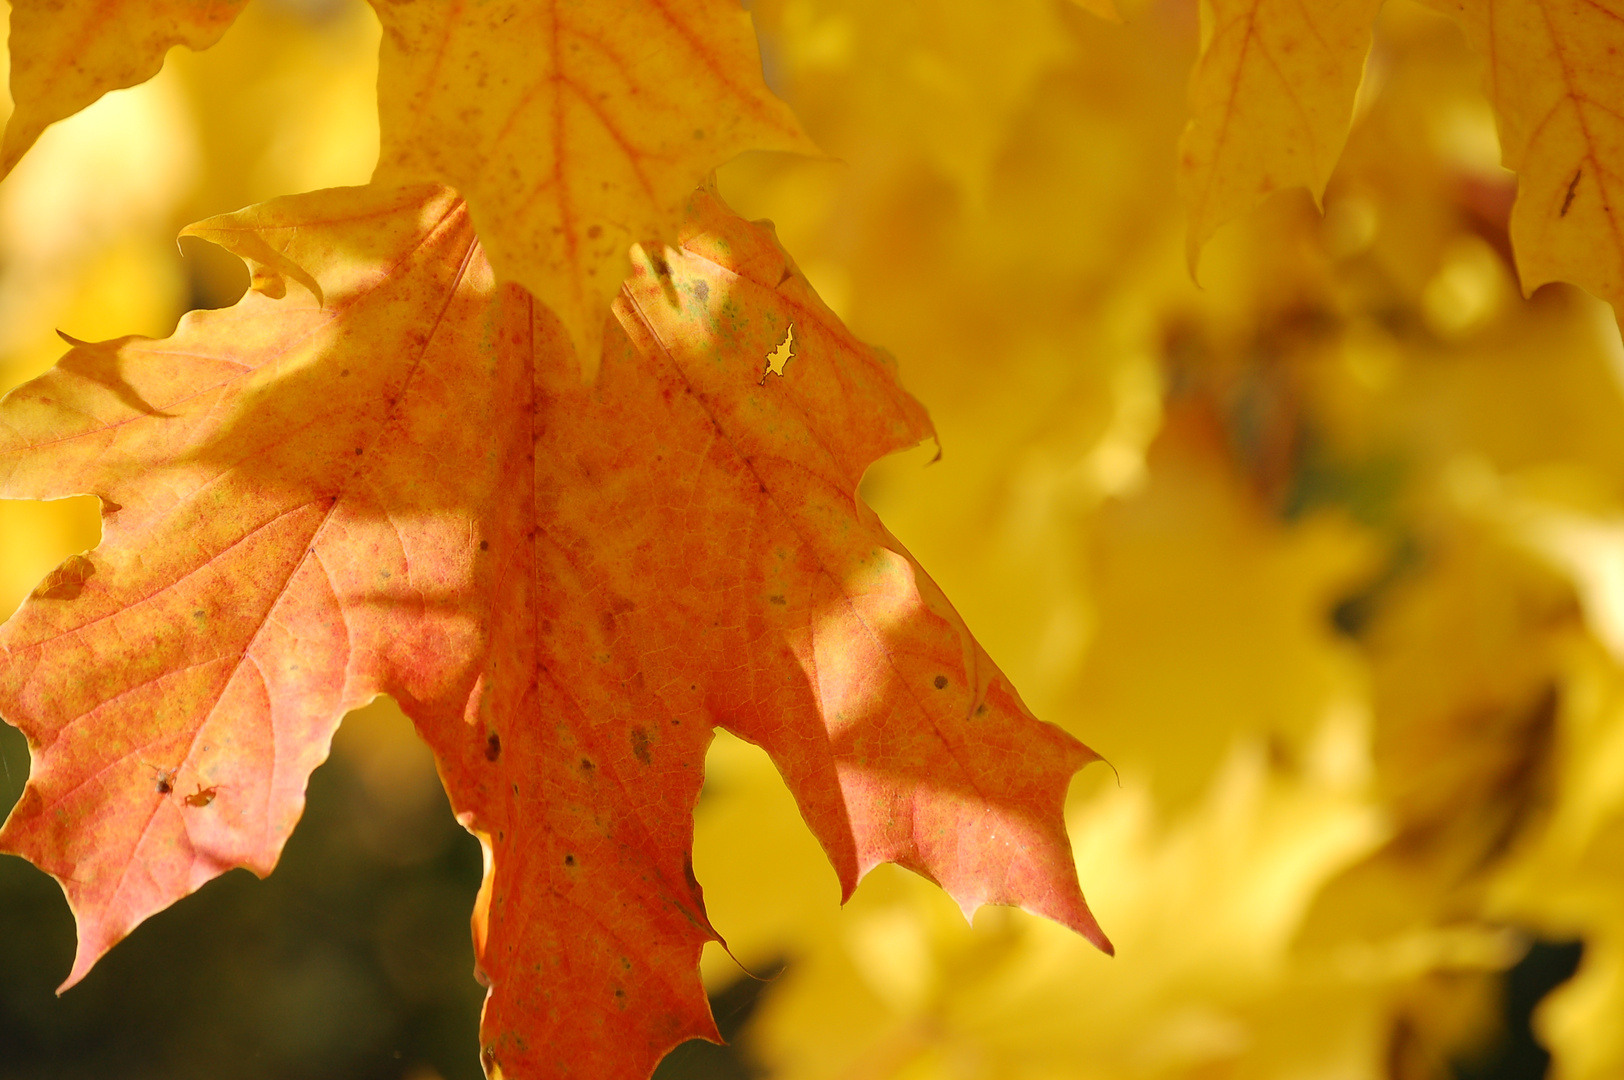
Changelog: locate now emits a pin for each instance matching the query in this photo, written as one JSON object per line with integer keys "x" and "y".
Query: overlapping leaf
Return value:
{"x": 66, "y": 55}
{"x": 1557, "y": 83}
{"x": 380, "y": 472}
{"x": 1271, "y": 99}
{"x": 574, "y": 128}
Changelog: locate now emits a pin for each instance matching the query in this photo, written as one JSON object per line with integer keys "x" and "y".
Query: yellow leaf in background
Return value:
{"x": 65, "y": 56}
{"x": 1271, "y": 96}
{"x": 769, "y": 890}
{"x": 1579, "y": 1020}
{"x": 574, "y": 129}
{"x": 1564, "y": 879}
{"x": 1105, "y": 9}
{"x": 1195, "y": 585}
{"x": 285, "y": 102}
{"x": 1556, "y": 79}
{"x": 926, "y": 79}
{"x": 87, "y": 241}
{"x": 1207, "y": 980}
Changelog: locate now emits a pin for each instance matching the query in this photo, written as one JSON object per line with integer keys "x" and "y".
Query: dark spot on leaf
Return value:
{"x": 594, "y": 232}
{"x": 940, "y": 682}
{"x": 515, "y": 789}
{"x": 358, "y": 451}
{"x": 778, "y": 599}
{"x": 640, "y": 745}
{"x": 165, "y": 780}
{"x": 569, "y": 860}
{"x": 343, "y": 373}
{"x": 493, "y": 746}
{"x": 586, "y": 765}
{"x": 702, "y": 291}
{"x": 1573, "y": 187}
{"x": 484, "y": 545}
{"x": 661, "y": 267}
{"x": 981, "y": 710}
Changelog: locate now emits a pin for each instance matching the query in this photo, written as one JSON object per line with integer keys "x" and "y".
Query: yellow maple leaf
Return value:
{"x": 1271, "y": 95}
{"x": 934, "y": 82}
{"x": 1556, "y": 80}
{"x": 1105, "y": 9}
{"x": 66, "y": 56}
{"x": 573, "y": 129}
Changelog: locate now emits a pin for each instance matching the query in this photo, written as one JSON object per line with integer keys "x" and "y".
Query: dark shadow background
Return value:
{"x": 353, "y": 960}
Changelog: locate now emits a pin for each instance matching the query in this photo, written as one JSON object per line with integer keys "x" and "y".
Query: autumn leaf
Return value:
{"x": 1556, "y": 77}
{"x": 66, "y": 55}
{"x": 1271, "y": 98}
{"x": 574, "y": 129}
{"x": 381, "y": 473}
{"x": 1104, "y": 9}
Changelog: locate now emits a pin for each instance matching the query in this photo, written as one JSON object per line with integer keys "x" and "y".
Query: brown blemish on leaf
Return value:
{"x": 640, "y": 746}
{"x": 940, "y": 682}
{"x": 493, "y": 746}
{"x": 1573, "y": 187}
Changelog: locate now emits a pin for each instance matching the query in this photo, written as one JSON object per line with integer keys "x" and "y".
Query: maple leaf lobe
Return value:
{"x": 574, "y": 129}
{"x": 1554, "y": 78}
{"x": 1271, "y": 98}
{"x": 66, "y": 55}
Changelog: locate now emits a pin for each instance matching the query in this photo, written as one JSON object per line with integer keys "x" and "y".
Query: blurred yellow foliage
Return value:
{"x": 1326, "y": 557}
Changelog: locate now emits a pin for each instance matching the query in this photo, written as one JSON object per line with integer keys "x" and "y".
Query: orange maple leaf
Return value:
{"x": 381, "y": 473}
